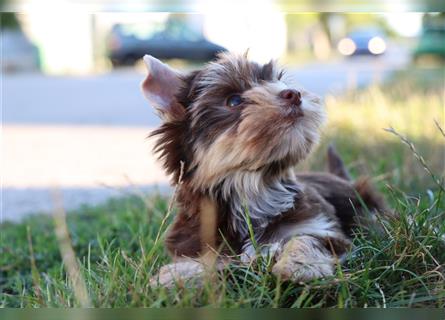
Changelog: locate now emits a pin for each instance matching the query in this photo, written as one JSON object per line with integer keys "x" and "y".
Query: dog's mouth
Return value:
{"x": 293, "y": 114}
{"x": 296, "y": 111}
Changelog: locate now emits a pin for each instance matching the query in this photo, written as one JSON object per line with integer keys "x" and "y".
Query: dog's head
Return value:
{"x": 232, "y": 116}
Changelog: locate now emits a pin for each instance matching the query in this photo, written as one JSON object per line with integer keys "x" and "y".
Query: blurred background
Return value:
{"x": 74, "y": 118}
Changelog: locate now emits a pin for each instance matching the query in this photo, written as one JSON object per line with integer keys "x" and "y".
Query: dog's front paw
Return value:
{"x": 297, "y": 271}
{"x": 302, "y": 259}
{"x": 178, "y": 273}
{"x": 266, "y": 251}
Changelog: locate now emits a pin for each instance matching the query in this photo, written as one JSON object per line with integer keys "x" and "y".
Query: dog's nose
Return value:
{"x": 293, "y": 97}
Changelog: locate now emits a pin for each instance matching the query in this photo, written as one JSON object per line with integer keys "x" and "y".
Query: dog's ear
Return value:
{"x": 160, "y": 86}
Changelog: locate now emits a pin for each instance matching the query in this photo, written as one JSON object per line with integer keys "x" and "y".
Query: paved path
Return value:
{"x": 87, "y": 135}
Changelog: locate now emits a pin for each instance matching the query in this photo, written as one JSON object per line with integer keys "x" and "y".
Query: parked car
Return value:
{"x": 170, "y": 43}
{"x": 367, "y": 41}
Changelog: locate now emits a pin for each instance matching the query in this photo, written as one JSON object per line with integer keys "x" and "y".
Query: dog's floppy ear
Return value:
{"x": 160, "y": 86}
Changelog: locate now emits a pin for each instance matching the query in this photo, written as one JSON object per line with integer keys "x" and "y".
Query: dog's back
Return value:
{"x": 354, "y": 201}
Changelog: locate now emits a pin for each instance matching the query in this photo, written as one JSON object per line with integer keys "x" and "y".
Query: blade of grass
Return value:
{"x": 67, "y": 252}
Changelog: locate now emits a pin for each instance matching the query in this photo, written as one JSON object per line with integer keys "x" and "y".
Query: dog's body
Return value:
{"x": 238, "y": 129}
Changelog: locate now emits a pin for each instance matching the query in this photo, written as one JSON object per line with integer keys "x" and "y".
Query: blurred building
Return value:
{"x": 74, "y": 42}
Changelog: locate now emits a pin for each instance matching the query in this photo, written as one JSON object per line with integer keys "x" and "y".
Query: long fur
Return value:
{"x": 238, "y": 163}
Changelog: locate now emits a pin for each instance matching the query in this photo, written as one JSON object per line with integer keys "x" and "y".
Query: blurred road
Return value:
{"x": 87, "y": 135}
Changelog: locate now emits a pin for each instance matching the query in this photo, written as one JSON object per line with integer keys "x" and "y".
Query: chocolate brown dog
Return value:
{"x": 232, "y": 133}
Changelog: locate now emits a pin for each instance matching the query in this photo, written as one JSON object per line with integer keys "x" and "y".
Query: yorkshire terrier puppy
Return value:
{"x": 231, "y": 136}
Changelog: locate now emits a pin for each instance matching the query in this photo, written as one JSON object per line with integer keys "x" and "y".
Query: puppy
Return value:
{"x": 231, "y": 136}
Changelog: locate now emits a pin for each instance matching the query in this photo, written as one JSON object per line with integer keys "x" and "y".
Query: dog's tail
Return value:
{"x": 336, "y": 165}
{"x": 369, "y": 196}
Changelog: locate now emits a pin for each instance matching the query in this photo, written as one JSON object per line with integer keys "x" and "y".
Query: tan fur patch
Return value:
{"x": 209, "y": 218}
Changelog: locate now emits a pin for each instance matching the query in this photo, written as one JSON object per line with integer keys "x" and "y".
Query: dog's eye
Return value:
{"x": 234, "y": 100}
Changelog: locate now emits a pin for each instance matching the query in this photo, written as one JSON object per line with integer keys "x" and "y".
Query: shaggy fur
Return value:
{"x": 239, "y": 128}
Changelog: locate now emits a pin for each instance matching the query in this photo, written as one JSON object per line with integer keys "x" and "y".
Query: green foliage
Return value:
{"x": 8, "y": 20}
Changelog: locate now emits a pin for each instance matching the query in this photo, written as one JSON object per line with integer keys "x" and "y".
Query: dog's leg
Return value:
{"x": 249, "y": 253}
{"x": 195, "y": 235}
{"x": 179, "y": 273}
{"x": 304, "y": 258}
{"x": 187, "y": 270}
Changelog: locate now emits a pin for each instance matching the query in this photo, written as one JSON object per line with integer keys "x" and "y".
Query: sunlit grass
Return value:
{"x": 357, "y": 123}
{"x": 367, "y": 113}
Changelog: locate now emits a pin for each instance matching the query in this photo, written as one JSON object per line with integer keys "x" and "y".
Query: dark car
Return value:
{"x": 363, "y": 41}
{"x": 179, "y": 42}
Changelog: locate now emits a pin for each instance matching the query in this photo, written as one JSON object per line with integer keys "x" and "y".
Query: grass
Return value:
{"x": 118, "y": 249}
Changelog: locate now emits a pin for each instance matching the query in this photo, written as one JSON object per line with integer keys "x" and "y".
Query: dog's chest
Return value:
{"x": 260, "y": 207}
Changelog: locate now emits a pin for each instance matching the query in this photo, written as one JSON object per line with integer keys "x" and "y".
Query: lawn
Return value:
{"x": 117, "y": 247}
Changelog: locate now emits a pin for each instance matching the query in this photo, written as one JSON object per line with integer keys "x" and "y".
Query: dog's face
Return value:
{"x": 234, "y": 116}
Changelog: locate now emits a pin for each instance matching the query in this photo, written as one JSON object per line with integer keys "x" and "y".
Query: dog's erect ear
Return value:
{"x": 160, "y": 87}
